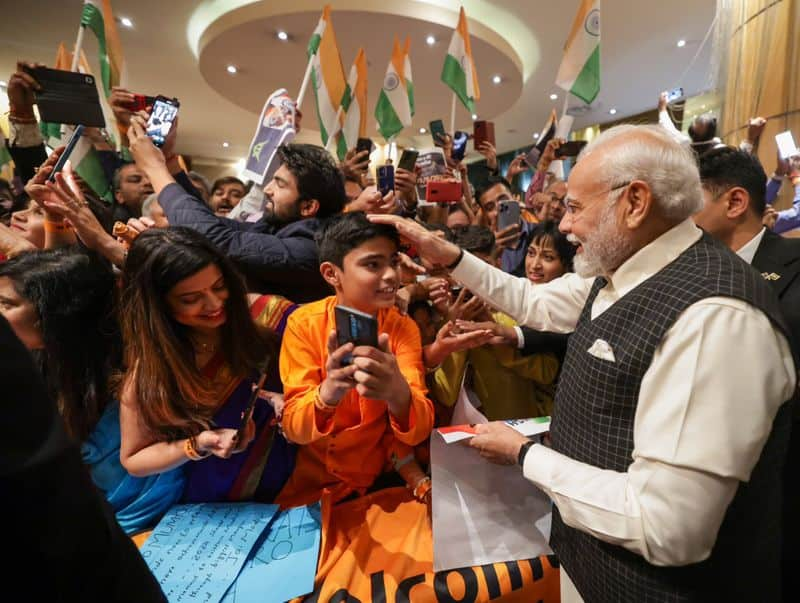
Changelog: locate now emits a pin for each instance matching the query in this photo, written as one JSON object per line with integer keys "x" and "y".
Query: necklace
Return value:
{"x": 203, "y": 348}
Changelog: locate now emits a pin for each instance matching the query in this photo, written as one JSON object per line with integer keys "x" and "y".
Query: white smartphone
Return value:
{"x": 674, "y": 94}
{"x": 786, "y": 146}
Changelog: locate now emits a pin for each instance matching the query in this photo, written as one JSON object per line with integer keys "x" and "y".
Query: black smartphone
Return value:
{"x": 571, "y": 148}
{"x": 437, "y": 131}
{"x": 163, "y": 115}
{"x": 507, "y": 214}
{"x": 408, "y": 160}
{"x": 73, "y": 141}
{"x": 356, "y": 327}
{"x": 364, "y": 144}
{"x": 67, "y": 97}
{"x": 459, "y": 145}
{"x": 247, "y": 413}
{"x": 385, "y": 179}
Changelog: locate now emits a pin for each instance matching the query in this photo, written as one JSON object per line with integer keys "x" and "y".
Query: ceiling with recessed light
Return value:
{"x": 222, "y": 58}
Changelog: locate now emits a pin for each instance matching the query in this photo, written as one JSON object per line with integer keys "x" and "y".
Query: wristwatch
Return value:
{"x": 523, "y": 451}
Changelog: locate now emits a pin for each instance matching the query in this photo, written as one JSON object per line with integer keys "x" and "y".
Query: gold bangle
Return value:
{"x": 190, "y": 449}
{"x": 422, "y": 488}
{"x": 320, "y": 404}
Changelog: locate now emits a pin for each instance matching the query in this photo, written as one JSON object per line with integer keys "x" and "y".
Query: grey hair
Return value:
{"x": 147, "y": 204}
{"x": 649, "y": 153}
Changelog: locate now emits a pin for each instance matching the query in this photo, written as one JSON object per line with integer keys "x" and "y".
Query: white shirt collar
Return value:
{"x": 748, "y": 250}
{"x": 654, "y": 256}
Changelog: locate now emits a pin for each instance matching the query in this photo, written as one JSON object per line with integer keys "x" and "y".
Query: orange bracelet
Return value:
{"x": 52, "y": 227}
{"x": 320, "y": 404}
{"x": 422, "y": 488}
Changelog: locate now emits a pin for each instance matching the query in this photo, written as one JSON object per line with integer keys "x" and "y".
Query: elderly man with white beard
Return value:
{"x": 670, "y": 423}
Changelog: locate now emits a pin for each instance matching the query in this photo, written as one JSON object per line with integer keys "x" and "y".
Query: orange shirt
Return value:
{"x": 344, "y": 451}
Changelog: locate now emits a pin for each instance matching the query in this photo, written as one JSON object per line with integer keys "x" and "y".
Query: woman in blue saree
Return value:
{"x": 193, "y": 354}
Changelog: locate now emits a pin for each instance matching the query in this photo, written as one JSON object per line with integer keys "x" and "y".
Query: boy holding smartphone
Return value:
{"x": 350, "y": 420}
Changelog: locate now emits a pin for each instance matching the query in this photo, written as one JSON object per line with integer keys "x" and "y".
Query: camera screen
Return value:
{"x": 160, "y": 121}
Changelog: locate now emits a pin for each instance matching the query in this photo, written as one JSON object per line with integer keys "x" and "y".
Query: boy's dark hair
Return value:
{"x": 548, "y": 230}
{"x": 317, "y": 176}
{"x": 726, "y": 167}
{"x": 419, "y": 305}
{"x": 341, "y": 234}
{"x": 444, "y": 229}
{"x": 488, "y": 183}
{"x": 474, "y": 238}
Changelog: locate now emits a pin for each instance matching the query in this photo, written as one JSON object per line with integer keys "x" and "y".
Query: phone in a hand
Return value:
{"x": 385, "y": 179}
{"x": 408, "y": 160}
{"x": 71, "y": 143}
{"x": 571, "y": 148}
{"x": 356, "y": 327}
{"x": 674, "y": 94}
{"x": 459, "y": 145}
{"x": 162, "y": 117}
{"x": 483, "y": 132}
{"x": 508, "y": 213}
{"x": 141, "y": 102}
{"x": 364, "y": 144}
{"x": 437, "y": 131}
{"x": 786, "y": 145}
{"x": 247, "y": 413}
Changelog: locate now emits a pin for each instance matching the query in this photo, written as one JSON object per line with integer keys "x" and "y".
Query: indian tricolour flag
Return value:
{"x": 393, "y": 110}
{"x": 407, "y": 75}
{"x": 327, "y": 74}
{"x": 98, "y": 17}
{"x": 580, "y": 68}
{"x": 353, "y": 119}
{"x": 459, "y": 68}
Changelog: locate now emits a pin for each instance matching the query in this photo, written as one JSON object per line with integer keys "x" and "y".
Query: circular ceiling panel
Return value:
{"x": 249, "y": 41}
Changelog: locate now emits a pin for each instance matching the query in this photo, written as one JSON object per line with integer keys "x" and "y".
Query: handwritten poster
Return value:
{"x": 196, "y": 551}
{"x": 284, "y": 565}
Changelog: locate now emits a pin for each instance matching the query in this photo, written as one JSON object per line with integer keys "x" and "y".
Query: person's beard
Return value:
{"x": 604, "y": 249}
{"x": 271, "y": 218}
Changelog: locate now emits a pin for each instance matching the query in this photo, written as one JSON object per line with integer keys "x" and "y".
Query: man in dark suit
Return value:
{"x": 734, "y": 185}
{"x": 57, "y": 526}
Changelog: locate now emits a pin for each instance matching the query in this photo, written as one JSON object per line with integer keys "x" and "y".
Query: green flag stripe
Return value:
{"x": 313, "y": 44}
{"x": 347, "y": 98}
{"x": 455, "y": 77}
{"x": 388, "y": 120}
{"x": 410, "y": 90}
{"x": 341, "y": 147}
{"x": 587, "y": 85}
{"x": 93, "y": 19}
{"x": 322, "y": 131}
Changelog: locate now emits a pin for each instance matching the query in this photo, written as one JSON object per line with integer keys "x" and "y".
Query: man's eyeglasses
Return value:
{"x": 574, "y": 208}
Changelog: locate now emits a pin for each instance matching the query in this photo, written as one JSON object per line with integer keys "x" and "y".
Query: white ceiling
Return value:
{"x": 638, "y": 50}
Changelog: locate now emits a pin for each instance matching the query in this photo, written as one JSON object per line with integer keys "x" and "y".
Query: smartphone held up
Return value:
{"x": 162, "y": 117}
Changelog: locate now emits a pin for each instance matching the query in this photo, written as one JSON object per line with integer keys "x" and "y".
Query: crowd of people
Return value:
{"x": 649, "y": 305}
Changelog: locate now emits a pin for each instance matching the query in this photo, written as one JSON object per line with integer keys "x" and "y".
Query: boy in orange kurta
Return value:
{"x": 350, "y": 419}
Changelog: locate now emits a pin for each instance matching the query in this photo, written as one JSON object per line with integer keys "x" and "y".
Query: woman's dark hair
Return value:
{"x": 548, "y": 231}
{"x": 318, "y": 176}
{"x": 73, "y": 294}
{"x": 174, "y": 399}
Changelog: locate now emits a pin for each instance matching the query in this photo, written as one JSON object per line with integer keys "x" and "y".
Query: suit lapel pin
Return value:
{"x": 770, "y": 276}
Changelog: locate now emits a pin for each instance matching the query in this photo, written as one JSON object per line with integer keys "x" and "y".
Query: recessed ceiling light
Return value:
{"x": 225, "y": 145}
{"x": 681, "y": 43}
{"x": 283, "y": 36}
{"x": 612, "y": 111}
{"x": 430, "y": 40}
{"x": 497, "y": 79}
{"x": 553, "y": 96}
{"x": 126, "y": 22}
{"x": 474, "y": 117}
{"x": 422, "y": 130}
{"x": 232, "y": 69}
{"x": 536, "y": 135}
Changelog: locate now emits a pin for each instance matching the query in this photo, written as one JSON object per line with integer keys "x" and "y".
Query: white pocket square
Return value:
{"x": 601, "y": 349}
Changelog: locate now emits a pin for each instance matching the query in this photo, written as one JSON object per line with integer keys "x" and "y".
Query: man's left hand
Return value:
{"x": 497, "y": 442}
